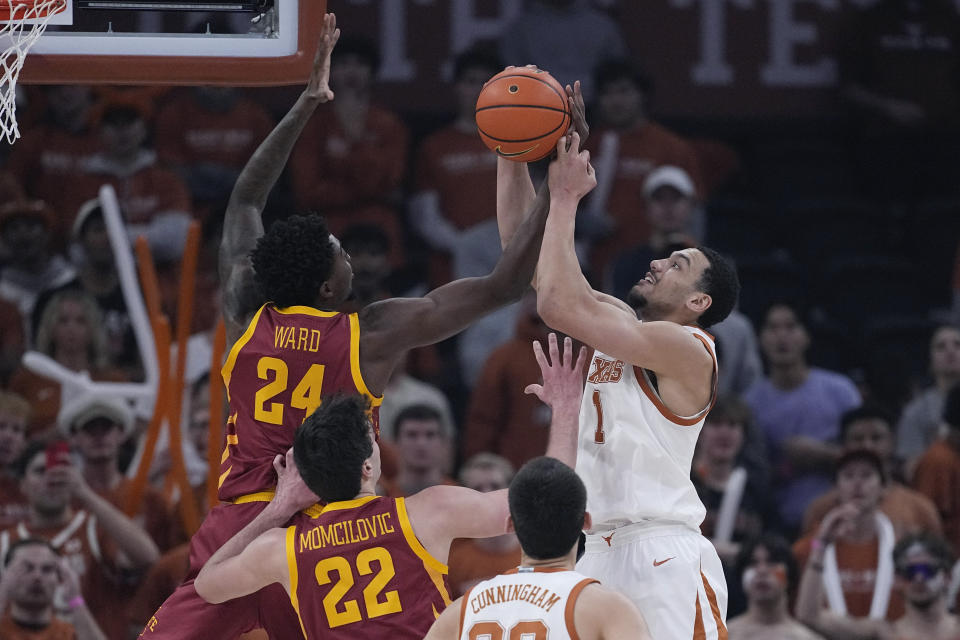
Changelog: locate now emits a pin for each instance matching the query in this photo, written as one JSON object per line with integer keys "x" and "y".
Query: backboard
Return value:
{"x": 177, "y": 42}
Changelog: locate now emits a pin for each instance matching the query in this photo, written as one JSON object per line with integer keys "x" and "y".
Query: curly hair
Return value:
{"x": 293, "y": 259}
{"x": 720, "y": 282}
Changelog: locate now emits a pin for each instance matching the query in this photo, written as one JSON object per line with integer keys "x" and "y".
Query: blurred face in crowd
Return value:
{"x": 783, "y": 338}
{"x": 621, "y": 103}
{"x": 26, "y": 238}
{"x": 200, "y": 418}
{"x": 40, "y": 577}
{"x": 670, "y": 285}
{"x": 872, "y": 434}
{"x": 69, "y": 102}
{"x": 467, "y": 89}
{"x": 48, "y": 496}
{"x": 351, "y": 73}
{"x": 13, "y": 430}
{"x": 721, "y": 439}
{"x": 123, "y": 135}
{"x": 764, "y": 579}
{"x": 920, "y": 577}
{"x": 96, "y": 242}
{"x": 945, "y": 352}
{"x": 71, "y": 329}
{"x": 219, "y": 99}
{"x": 371, "y": 266}
{"x": 485, "y": 479}
{"x": 860, "y": 483}
{"x": 669, "y": 211}
{"x": 421, "y": 444}
{"x": 98, "y": 440}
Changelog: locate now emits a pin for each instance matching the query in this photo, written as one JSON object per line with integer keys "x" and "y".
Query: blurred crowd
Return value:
{"x": 832, "y": 454}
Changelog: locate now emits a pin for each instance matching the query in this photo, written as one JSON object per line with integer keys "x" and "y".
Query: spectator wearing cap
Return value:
{"x": 938, "y": 471}
{"x": 768, "y": 574}
{"x": 14, "y": 416}
{"x": 870, "y": 427}
{"x": 71, "y": 332}
{"x": 798, "y": 408}
{"x": 852, "y": 550}
{"x": 920, "y": 421}
{"x": 473, "y": 560}
{"x": 107, "y": 550}
{"x": 97, "y": 425}
{"x": 97, "y": 276}
{"x": 154, "y": 200}
{"x": 33, "y": 573}
{"x": 626, "y": 147}
{"x": 25, "y": 229}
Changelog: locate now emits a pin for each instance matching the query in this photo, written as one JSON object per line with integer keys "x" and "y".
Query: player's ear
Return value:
{"x": 509, "y": 525}
{"x": 699, "y": 302}
{"x": 587, "y": 520}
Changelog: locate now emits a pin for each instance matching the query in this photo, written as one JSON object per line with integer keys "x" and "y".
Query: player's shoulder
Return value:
{"x": 597, "y": 606}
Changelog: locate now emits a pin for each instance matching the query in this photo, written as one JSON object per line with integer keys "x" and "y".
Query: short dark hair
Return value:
{"x": 864, "y": 412}
{"x": 731, "y": 409}
{"x": 617, "y": 69}
{"x": 799, "y": 312}
{"x": 30, "y": 452}
{"x": 951, "y": 407}
{"x": 935, "y": 545}
{"x": 720, "y": 282}
{"x": 779, "y": 551}
{"x": 293, "y": 259}
{"x": 359, "y": 46}
{"x": 476, "y": 58}
{"x": 861, "y": 455}
{"x": 417, "y": 412}
{"x": 547, "y": 503}
{"x": 365, "y": 237}
{"x": 330, "y": 446}
{"x": 27, "y": 542}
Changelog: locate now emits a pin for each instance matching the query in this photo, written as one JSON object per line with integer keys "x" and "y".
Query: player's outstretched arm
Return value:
{"x": 562, "y": 390}
{"x": 242, "y": 225}
{"x": 447, "y": 626}
{"x": 605, "y": 614}
{"x": 257, "y": 556}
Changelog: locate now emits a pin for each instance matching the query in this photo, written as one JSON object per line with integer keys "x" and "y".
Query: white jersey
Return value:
{"x": 634, "y": 454}
{"x": 523, "y": 602}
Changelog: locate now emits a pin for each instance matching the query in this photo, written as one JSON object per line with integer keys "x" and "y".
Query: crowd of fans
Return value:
{"x": 859, "y": 474}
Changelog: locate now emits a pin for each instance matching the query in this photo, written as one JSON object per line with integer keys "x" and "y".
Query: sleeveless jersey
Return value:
{"x": 358, "y": 572}
{"x": 276, "y": 374}
{"x": 523, "y": 603}
{"x": 634, "y": 454}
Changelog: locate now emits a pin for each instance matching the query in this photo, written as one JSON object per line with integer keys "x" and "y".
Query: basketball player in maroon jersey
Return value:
{"x": 290, "y": 348}
{"x": 366, "y": 567}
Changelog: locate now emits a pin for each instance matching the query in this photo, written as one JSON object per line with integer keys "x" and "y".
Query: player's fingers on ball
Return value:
{"x": 575, "y": 140}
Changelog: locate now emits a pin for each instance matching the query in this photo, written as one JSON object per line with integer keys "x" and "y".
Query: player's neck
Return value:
{"x": 567, "y": 562}
{"x": 769, "y": 614}
{"x": 789, "y": 376}
{"x": 31, "y": 616}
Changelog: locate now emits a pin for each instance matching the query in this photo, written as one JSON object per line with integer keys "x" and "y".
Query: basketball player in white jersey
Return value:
{"x": 544, "y": 597}
{"x": 650, "y": 385}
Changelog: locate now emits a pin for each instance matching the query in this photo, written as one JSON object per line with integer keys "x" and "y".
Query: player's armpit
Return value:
{"x": 604, "y": 614}
{"x": 447, "y": 626}
{"x": 241, "y": 297}
{"x": 261, "y": 563}
{"x": 442, "y": 513}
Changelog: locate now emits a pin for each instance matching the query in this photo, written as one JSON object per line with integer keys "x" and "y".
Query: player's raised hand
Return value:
{"x": 292, "y": 492}
{"x": 562, "y": 378}
{"x": 579, "y": 114}
{"x": 318, "y": 86}
{"x": 571, "y": 174}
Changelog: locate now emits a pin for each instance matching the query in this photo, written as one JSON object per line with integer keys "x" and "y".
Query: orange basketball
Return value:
{"x": 521, "y": 113}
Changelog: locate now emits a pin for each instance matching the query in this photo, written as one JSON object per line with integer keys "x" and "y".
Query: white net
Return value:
{"x": 26, "y": 23}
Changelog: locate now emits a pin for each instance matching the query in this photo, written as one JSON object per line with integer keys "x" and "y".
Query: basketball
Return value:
{"x": 521, "y": 113}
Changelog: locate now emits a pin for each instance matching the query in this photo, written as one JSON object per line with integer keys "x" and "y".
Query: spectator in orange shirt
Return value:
{"x": 625, "y": 148}
{"x": 71, "y": 332}
{"x": 502, "y": 418}
{"x": 206, "y": 135}
{"x": 33, "y": 573}
{"x": 456, "y": 173}
{"x": 106, "y": 549}
{"x": 852, "y": 551}
{"x": 424, "y": 446}
{"x": 14, "y": 416}
{"x": 350, "y": 159}
{"x": 938, "y": 471}
{"x": 475, "y": 559}
{"x": 97, "y": 425}
{"x": 869, "y": 427}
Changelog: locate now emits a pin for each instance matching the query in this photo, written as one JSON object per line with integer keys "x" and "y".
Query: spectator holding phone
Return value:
{"x": 33, "y": 571}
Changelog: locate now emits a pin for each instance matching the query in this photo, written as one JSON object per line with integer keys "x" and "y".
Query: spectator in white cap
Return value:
{"x": 97, "y": 425}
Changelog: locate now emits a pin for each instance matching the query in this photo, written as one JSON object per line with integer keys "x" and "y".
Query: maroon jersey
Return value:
{"x": 358, "y": 572}
{"x": 276, "y": 374}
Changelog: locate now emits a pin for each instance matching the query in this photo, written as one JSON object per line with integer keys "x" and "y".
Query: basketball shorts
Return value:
{"x": 185, "y": 615}
{"x": 672, "y": 574}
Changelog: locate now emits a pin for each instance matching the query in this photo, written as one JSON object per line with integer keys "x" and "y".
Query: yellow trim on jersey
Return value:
{"x": 355, "y": 361}
{"x": 348, "y": 504}
{"x": 307, "y": 311}
{"x": 435, "y": 569}
{"x": 226, "y": 454}
{"x": 292, "y": 568}
{"x": 227, "y": 370}
{"x": 223, "y": 476}
{"x": 233, "y": 438}
{"x": 259, "y": 496}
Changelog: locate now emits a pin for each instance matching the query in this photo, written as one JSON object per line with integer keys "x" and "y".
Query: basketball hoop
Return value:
{"x": 22, "y": 22}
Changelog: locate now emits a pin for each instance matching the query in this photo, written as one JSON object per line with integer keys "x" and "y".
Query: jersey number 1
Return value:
{"x": 524, "y": 630}
{"x": 306, "y": 395}
{"x": 598, "y": 434}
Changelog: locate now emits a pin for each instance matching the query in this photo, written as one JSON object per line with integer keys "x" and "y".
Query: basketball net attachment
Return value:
{"x": 22, "y": 22}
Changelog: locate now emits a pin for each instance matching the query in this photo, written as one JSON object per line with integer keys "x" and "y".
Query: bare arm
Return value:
{"x": 447, "y": 626}
{"x": 84, "y": 624}
{"x": 242, "y": 225}
{"x": 515, "y": 196}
